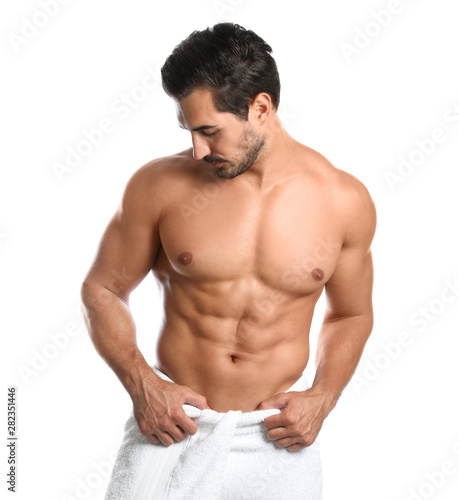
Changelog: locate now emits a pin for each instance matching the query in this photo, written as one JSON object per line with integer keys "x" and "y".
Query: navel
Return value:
{"x": 317, "y": 274}
{"x": 185, "y": 258}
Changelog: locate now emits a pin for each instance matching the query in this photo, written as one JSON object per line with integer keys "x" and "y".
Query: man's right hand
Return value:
{"x": 159, "y": 413}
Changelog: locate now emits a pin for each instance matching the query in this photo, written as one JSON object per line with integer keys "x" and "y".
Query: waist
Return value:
{"x": 243, "y": 396}
{"x": 300, "y": 385}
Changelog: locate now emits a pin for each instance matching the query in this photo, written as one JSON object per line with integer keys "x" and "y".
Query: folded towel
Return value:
{"x": 229, "y": 457}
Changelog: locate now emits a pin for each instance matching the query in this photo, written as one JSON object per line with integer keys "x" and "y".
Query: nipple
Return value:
{"x": 185, "y": 258}
{"x": 317, "y": 274}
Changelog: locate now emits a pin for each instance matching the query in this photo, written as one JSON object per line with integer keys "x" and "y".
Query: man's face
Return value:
{"x": 228, "y": 143}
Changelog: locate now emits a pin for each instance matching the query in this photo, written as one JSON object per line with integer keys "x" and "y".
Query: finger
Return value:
{"x": 173, "y": 427}
{"x": 272, "y": 422}
{"x": 177, "y": 433}
{"x": 296, "y": 447}
{"x": 287, "y": 442}
{"x": 186, "y": 424}
{"x": 195, "y": 399}
{"x": 276, "y": 401}
{"x": 302, "y": 442}
{"x": 153, "y": 438}
{"x": 295, "y": 443}
{"x": 287, "y": 418}
{"x": 165, "y": 438}
{"x": 278, "y": 420}
{"x": 281, "y": 432}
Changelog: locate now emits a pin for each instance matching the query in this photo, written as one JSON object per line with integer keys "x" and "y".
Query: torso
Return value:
{"x": 241, "y": 271}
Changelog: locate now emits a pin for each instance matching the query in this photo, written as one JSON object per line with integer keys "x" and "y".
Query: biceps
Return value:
{"x": 125, "y": 256}
{"x": 349, "y": 290}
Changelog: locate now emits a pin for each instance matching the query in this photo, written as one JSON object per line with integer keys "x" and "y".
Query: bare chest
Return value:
{"x": 288, "y": 239}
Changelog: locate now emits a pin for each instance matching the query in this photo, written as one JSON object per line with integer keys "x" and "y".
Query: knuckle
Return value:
{"x": 168, "y": 440}
{"x": 163, "y": 421}
{"x": 175, "y": 414}
{"x": 149, "y": 436}
{"x": 289, "y": 419}
{"x": 143, "y": 429}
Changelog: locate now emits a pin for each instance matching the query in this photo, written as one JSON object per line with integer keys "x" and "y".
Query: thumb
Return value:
{"x": 195, "y": 399}
{"x": 276, "y": 401}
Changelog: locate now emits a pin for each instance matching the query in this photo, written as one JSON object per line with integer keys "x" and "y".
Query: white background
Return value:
{"x": 363, "y": 112}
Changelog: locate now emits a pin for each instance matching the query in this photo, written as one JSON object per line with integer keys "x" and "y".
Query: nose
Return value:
{"x": 200, "y": 147}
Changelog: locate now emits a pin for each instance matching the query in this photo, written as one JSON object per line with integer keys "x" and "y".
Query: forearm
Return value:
{"x": 339, "y": 349}
{"x": 112, "y": 330}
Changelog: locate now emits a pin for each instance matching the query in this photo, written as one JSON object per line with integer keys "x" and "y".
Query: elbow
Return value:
{"x": 94, "y": 300}
{"x": 365, "y": 323}
{"x": 366, "y": 319}
{"x": 362, "y": 321}
{"x": 90, "y": 297}
{"x": 366, "y": 316}
{"x": 86, "y": 301}
{"x": 86, "y": 291}
{"x": 95, "y": 297}
{"x": 371, "y": 320}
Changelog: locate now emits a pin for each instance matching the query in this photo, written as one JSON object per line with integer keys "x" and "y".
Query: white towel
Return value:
{"x": 229, "y": 457}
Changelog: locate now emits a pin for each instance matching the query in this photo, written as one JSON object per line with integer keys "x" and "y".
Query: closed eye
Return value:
{"x": 208, "y": 135}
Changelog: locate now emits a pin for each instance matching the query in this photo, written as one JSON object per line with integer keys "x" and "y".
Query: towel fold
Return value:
{"x": 229, "y": 457}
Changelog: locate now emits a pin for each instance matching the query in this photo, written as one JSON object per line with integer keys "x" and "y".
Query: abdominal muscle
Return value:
{"x": 236, "y": 362}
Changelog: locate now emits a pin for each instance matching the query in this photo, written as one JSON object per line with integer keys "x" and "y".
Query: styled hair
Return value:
{"x": 231, "y": 61}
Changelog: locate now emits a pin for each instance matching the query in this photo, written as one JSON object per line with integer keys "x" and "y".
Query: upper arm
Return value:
{"x": 349, "y": 289}
{"x": 131, "y": 241}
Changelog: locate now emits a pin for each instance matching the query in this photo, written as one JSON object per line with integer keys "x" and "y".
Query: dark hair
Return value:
{"x": 235, "y": 63}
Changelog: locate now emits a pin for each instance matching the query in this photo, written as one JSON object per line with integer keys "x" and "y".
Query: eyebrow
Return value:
{"x": 197, "y": 129}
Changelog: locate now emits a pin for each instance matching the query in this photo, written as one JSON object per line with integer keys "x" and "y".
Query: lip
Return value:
{"x": 216, "y": 165}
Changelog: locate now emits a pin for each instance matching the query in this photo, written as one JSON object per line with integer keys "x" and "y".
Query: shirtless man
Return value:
{"x": 243, "y": 231}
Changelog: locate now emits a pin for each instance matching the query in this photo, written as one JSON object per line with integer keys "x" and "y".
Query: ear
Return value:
{"x": 260, "y": 108}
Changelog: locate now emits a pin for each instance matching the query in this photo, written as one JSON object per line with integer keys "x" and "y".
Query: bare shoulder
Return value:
{"x": 157, "y": 173}
{"x": 349, "y": 197}
{"x": 153, "y": 184}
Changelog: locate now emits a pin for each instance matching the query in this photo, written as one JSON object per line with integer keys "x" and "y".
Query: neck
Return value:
{"x": 271, "y": 165}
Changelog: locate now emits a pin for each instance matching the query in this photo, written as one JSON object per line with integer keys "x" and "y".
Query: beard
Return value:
{"x": 249, "y": 147}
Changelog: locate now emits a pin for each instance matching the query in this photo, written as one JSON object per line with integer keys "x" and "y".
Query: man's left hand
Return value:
{"x": 301, "y": 418}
